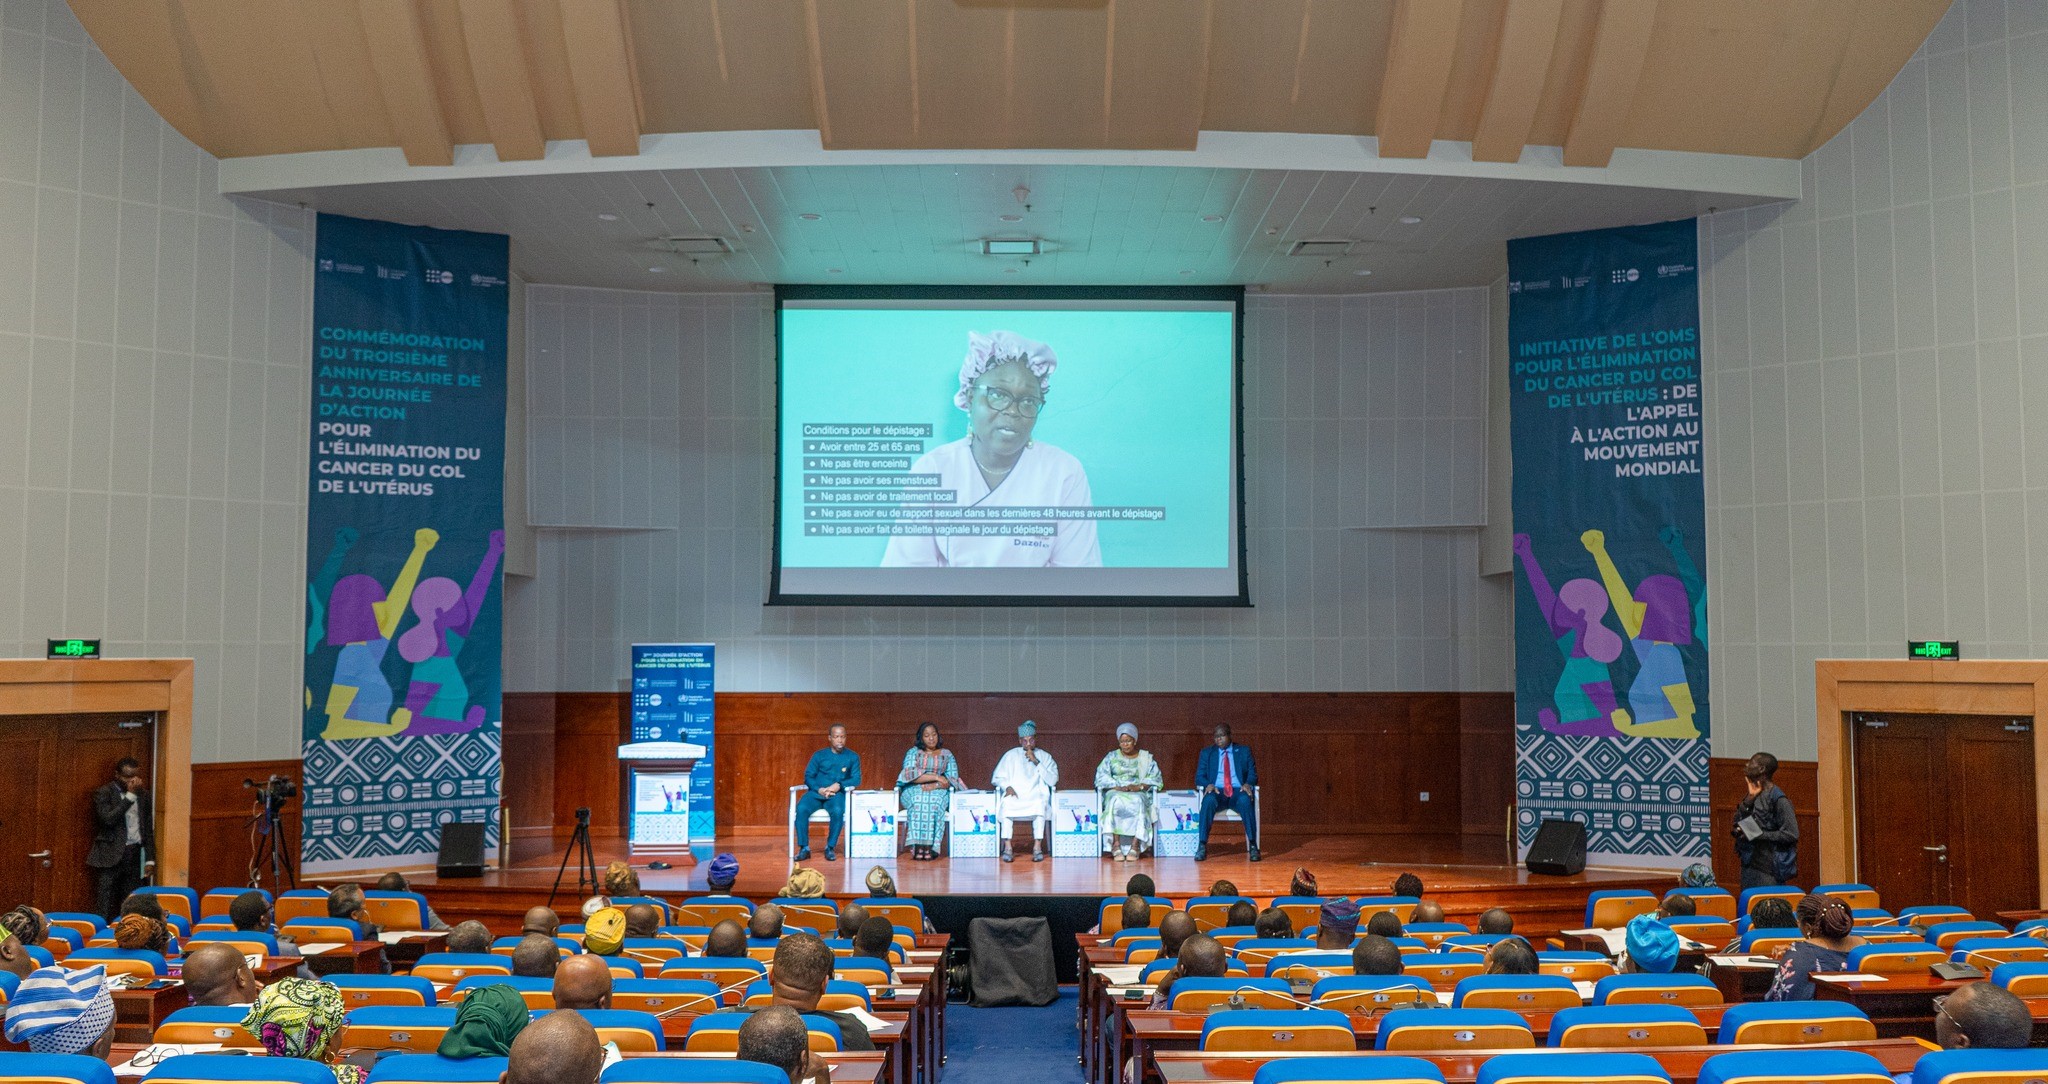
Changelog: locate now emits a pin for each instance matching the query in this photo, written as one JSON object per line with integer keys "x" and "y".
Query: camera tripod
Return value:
{"x": 269, "y": 821}
{"x": 586, "y": 865}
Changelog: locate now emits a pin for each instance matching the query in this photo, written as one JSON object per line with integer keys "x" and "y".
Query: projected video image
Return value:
{"x": 945, "y": 447}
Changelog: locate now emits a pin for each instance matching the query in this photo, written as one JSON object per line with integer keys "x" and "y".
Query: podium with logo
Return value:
{"x": 658, "y": 795}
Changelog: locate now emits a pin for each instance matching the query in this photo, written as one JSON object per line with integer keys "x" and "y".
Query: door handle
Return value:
{"x": 1942, "y": 847}
{"x": 40, "y": 854}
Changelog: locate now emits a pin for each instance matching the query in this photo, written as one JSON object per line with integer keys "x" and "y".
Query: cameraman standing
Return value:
{"x": 124, "y": 836}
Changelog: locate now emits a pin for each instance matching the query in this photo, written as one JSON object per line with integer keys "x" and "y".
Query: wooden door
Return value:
{"x": 65, "y": 757}
{"x": 1945, "y": 810}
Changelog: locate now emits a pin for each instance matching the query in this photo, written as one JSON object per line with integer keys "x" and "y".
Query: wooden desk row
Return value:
{"x": 1682, "y": 1063}
{"x": 848, "y": 1066}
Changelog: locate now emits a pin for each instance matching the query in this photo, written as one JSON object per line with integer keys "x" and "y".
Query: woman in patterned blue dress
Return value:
{"x": 926, "y": 788}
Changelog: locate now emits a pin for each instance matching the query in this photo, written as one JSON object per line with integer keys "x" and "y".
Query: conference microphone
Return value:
{"x": 1949, "y": 969}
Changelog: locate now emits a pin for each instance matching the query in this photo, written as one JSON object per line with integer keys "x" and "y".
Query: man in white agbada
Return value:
{"x": 1003, "y": 386}
{"x": 1024, "y": 783}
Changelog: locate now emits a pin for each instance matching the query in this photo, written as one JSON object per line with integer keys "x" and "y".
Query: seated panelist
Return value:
{"x": 832, "y": 772}
{"x": 1225, "y": 775}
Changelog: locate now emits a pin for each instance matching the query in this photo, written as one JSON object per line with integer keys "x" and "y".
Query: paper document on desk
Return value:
{"x": 868, "y": 1020}
{"x": 320, "y": 948}
{"x": 1850, "y": 979}
{"x": 393, "y": 937}
{"x": 254, "y": 960}
{"x": 153, "y": 1054}
{"x": 1584, "y": 988}
{"x": 1120, "y": 974}
{"x": 1745, "y": 962}
{"x": 1615, "y": 940}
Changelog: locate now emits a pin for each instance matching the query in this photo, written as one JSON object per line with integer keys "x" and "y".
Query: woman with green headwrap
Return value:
{"x": 489, "y": 1019}
{"x": 303, "y": 1018}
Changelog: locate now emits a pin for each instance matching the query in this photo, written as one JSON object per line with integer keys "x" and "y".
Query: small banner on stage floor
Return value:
{"x": 974, "y": 824}
{"x": 871, "y": 823}
{"x": 405, "y": 517}
{"x": 1076, "y": 824}
{"x": 1611, "y": 719}
{"x": 1178, "y": 824}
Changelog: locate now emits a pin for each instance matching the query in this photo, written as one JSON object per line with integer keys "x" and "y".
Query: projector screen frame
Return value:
{"x": 1234, "y": 295}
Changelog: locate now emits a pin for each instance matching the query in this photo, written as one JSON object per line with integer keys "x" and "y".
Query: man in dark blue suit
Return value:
{"x": 1226, "y": 775}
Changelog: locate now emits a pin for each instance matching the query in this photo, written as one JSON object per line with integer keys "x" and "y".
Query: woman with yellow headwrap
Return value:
{"x": 303, "y": 1018}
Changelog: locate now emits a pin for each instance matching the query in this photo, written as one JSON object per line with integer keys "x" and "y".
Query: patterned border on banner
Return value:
{"x": 376, "y": 799}
{"x": 1611, "y": 698}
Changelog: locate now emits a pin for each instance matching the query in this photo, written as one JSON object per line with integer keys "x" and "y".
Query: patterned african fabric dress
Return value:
{"x": 926, "y": 809}
{"x": 1127, "y": 813}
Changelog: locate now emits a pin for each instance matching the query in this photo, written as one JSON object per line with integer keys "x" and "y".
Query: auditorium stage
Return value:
{"x": 1343, "y": 865}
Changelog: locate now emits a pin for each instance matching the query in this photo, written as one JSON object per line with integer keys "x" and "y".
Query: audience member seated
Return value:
{"x": 643, "y": 920}
{"x": 1825, "y": 942}
{"x": 604, "y": 933}
{"x": 766, "y": 925}
{"x": 850, "y": 918}
{"x": 395, "y": 882}
{"x": 1650, "y": 947}
{"x": 14, "y": 957}
{"x": 881, "y": 886}
{"x": 583, "y": 982}
{"x": 1136, "y": 913}
{"x": 804, "y": 883}
{"x": 777, "y": 1036}
{"x": 1383, "y": 924}
{"x": 346, "y": 901}
{"x": 1409, "y": 885}
{"x": 620, "y": 879}
{"x": 1427, "y": 911}
{"x": 1511, "y": 956}
{"x": 1200, "y": 956}
{"x": 559, "y": 1048}
{"x": 216, "y": 975}
{"x": 728, "y": 941}
{"x": 724, "y": 871}
{"x": 1224, "y": 889}
{"x": 542, "y": 921}
{"x": 1375, "y": 955}
{"x": 303, "y": 1018}
{"x": 486, "y": 1023}
{"x": 1174, "y": 929}
{"x": 1677, "y": 905}
{"x": 251, "y": 913}
{"x": 1336, "y": 926}
{"x": 470, "y": 936}
{"x": 1140, "y": 884}
{"x": 1303, "y": 883}
{"x": 876, "y": 937}
{"x": 1273, "y": 923}
{"x": 1496, "y": 920}
{"x": 797, "y": 977}
{"x": 1773, "y": 914}
{"x": 55, "y": 1011}
{"x": 1981, "y": 1015}
{"x": 593, "y": 905}
{"x": 137, "y": 931}
{"x": 1243, "y": 913}
{"x": 536, "y": 957}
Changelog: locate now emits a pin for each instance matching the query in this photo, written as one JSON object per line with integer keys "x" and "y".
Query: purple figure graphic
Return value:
{"x": 1584, "y": 697}
{"x": 1658, "y": 618}
{"x": 360, "y": 620}
{"x": 437, "y": 701}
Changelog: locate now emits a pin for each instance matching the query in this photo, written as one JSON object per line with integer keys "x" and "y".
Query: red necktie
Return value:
{"x": 1228, "y": 790}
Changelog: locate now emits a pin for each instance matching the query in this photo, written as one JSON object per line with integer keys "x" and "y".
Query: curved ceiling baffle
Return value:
{"x": 1292, "y": 118}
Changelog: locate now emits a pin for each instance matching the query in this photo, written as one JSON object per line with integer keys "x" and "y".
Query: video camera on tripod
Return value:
{"x": 266, "y": 831}
{"x": 274, "y": 791}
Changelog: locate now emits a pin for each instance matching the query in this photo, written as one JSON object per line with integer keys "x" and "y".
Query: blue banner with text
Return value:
{"x": 405, "y": 518}
{"x": 1611, "y": 721}
{"x": 674, "y": 693}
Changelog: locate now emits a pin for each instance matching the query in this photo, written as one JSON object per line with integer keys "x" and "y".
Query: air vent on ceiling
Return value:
{"x": 1322, "y": 247}
{"x": 1020, "y": 246}
{"x": 698, "y": 245}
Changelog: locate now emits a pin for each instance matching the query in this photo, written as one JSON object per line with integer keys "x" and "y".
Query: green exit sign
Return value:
{"x": 1948, "y": 650}
{"x": 74, "y": 649}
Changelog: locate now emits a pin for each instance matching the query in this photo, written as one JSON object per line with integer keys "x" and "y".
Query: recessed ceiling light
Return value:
{"x": 835, "y": 270}
{"x": 809, "y": 217}
{"x": 607, "y": 217}
{"x": 1212, "y": 218}
{"x": 1011, "y": 218}
{"x": 1411, "y": 220}
{"x": 1009, "y": 270}
{"x": 1010, "y": 247}
{"x": 657, "y": 270}
{"x": 1363, "y": 271}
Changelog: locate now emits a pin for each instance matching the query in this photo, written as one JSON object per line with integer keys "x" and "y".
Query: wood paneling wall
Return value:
{"x": 1329, "y": 763}
{"x": 1800, "y": 780}
{"x": 221, "y": 809}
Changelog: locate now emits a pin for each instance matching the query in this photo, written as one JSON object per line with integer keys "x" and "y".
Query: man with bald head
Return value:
{"x": 1136, "y": 913}
{"x": 1174, "y": 929}
{"x": 559, "y": 1048}
{"x": 583, "y": 982}
{"x": 850, "y": 918}
{"x": 543, "y": 921}
{"x": 536, "y": 957}
{"x": 1427, "y": 911}
{"x": 726, "y": 941}
{"x": 766, "y": 925}
{"x": 1201, "y": 956}
{"x": 471, "y": 936}
{"x": 643, "y": 920}
{"x": 797, "y": 978}
{"x": 216, "y": 975}
{"x": 776, "y": 1036}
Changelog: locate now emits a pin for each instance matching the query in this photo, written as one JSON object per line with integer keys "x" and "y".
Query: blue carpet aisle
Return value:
{"x": 1004, "y": 1046}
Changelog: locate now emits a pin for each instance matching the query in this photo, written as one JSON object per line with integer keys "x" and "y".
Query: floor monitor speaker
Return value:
{"x": 1560, "y": 848}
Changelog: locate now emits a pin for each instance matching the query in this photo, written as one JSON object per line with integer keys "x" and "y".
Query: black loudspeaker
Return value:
{"x": 1560, "y": 848}
{"x": 462, "y": 850}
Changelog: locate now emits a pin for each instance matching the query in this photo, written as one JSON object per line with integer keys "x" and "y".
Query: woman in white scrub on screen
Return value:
{"x": 1003, "y": 385}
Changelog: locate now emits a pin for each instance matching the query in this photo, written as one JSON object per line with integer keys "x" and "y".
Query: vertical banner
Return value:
{"x": 1610, "y": 520}
{"x": 405, "y": 516}
{"x": 674, "y": 690}
{"x": 871, "y": 823}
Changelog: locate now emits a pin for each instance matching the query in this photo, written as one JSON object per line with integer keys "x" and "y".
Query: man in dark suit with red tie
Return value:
{"x": 1226, "y": 775}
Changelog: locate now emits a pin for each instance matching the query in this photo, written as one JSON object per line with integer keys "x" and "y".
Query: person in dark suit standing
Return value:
{"x": 1226, "y": 775}
{"x": 124, "y": 836}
